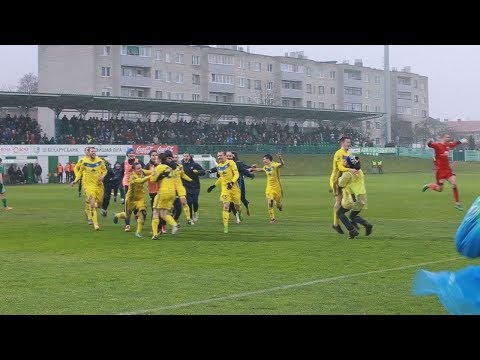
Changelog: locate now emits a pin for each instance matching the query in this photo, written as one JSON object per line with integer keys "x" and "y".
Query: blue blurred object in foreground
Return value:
{"x": 458, "y": 291}
{"x": 467, "y": 238}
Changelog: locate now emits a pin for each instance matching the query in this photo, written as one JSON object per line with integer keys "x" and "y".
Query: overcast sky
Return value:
{"x": 451, "y": 69}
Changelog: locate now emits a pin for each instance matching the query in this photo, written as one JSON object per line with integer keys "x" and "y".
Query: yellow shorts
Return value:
{"x": 181, "y": 191}
{"x": 274, "y": 194}
{"x": 164, "y": 201}
{"x": 134, "y": 206}
{"x": 95, "y": 193}
{"x": 231, "y": 196}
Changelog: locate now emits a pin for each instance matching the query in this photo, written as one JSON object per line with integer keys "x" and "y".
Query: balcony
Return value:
{"x": 138, "y": 61}
{"x": 221, "y": 69}
{"x": 136, "y": 81}
{"x": 293, "y": 76}
{"x": 221, "y": 88}
{"x": 292, "y": 93}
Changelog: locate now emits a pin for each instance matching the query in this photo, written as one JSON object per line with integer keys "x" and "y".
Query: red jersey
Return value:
{"x": 441, "y": 153}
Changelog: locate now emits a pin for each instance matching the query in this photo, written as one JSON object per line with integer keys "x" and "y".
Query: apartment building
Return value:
{"x": 229, "y": 73}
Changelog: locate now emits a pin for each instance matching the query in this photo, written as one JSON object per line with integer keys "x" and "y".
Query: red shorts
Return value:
{"x": 443, "y": 174}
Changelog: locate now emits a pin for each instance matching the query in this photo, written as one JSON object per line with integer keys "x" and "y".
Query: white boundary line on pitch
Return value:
{"x": 280, "y": 288}
{"x": 379, "y": 218}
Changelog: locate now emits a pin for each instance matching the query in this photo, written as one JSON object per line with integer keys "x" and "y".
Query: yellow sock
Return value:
{"x": 186, "y": 211}
{"x": 88, "y": 211}
{"x": 226, "y": 217}
{"x": 94, "y": 216}
{"x": 121, "y": 215}
{"x": 170, "y": 220}
{"x": 335, "y": 217}
{"x": 155, "y": 223}
{"x": 271, "y": 213}
{"x": 140, "y": 222}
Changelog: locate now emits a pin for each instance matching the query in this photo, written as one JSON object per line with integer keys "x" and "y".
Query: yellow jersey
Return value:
{"x": 136, "y": 188}
{"x": 78, "y": 166}
{"x": 167, "y": 184}
{"x": 91, "y": 171}
{"x": 179, "y": 174}
{"x": 273, "y": 175}
{"x": 337, "y": 167}
{"x": 228, "y": 172}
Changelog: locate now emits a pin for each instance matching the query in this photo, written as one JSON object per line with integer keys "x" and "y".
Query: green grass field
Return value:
{"x": 52, "y": 262}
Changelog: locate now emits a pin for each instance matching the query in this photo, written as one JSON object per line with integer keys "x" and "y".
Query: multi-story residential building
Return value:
{"x": 228, "y": 73}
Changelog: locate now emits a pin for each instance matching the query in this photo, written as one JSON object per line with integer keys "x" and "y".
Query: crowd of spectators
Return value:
{"x": 121, "y": 131}
{"x": 75, "y": 130}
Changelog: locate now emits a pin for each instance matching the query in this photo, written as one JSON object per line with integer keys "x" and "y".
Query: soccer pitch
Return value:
{"x": 52, "y": 262}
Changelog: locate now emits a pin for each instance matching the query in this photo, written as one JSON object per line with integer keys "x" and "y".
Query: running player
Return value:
{"x": 181, "y": 191}
{"x": 2, "y": 188}
{"x": 443, "y": 171}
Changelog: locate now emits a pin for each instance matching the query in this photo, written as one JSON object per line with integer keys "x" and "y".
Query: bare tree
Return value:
{"x": 428, "y": 128}
{"x": 403, "y": 131}
{"x": 271, "y": 97}
{"x": 28, "y": 83}
{"x": 10, "y": 88}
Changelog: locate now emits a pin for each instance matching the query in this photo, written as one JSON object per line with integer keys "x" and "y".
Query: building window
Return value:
{"x": 377, "y": 125}
{"x": 415, "y": 98}
{"x": 140, "y": 93}
{"x": 168, "y": 77}
{"x": 285, "y": 85}
{"x": 405, "y": 95}
{"x": 332, "y": 106}
{"x": 309, "y": 88}
{"x": 354, "y": 75}
{"x": 242, "y": 100}
{"x": 422, "y": 86}
{"x": 367, "y": 108}
{"x": 269, "y": 85}
{"x": 107, "y": 92}
{"x": 424, "y": 113}
{"x": 106, "y": 71}
{"x": 145, "y": 51}
{"x": 332, "y": 91}
{"x": 377, "y": 141}
{"x": 321, "y": 105}
{"x": 241, "y": 82}
{"x": 257, "y": 66}
{"x": 178, "y": 96}
{"x": 352, "y": 106}
{"x": 403, "y": 110}
{"x": 366, "y": 78}
{"x": 158, "y": 94}
{"x": 258, "y": 85}
{"x": 195, "y": 79}
{"x": 367, "y": 94}
{"x": 321, "y": 90}
{"x": 377, "y": 108}
{"x": 377, "y": 80}
{"x": 222, "y": 79}
{"x": 167, "y": 57}
{"x": 356, "y": 91}
{"x": 333, "y": 74}
{"x": 179, "y": 58}
{"x": 179, "y": 78}
{"x": 309, "y": 71}
{"x": 403, "y": 80}
{"x": 415, "y": 84}
{"x": 309, "y": 104}
{"x": 415, "y": 112}
{"x": 220, "y": 59}
{"x": 158, "y": 55}
{"x": 424, "y": 100}
{"x": 321, "y": 74}
{"x": 196, "y": 97}
{"x": 248, "y": 83}
{"x": 241, "y": 64}
{"x": 158, "y": 75}
{"x": 377, "y": 94}
{"x": 107, "y": 51}
{"x": 367, "y": 125}
{"x": 195, "y": 60}
{"x": 270, "y": 67}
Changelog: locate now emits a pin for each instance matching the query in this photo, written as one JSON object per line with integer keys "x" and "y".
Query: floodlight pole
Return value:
{"x": 388, "y": 106}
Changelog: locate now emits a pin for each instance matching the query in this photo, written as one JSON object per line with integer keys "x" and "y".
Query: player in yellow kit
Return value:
{"x": 92, "y": 171}
{"x": 76, "y": 170}
{"x": 338, "y": 168}
{"x": 274, "y": 190}
{"x": 181, "y": 191}
{"x": 227, "y": 177}
{"x": 135, "y": 200}
{"x": 163, "y": 202}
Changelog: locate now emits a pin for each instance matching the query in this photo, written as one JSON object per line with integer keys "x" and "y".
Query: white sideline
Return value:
{"x": 284, "y": 287}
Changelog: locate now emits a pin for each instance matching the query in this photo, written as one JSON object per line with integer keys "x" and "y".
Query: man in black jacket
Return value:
{"x": 107, "y": 187}
{"x": 194, "y": 171}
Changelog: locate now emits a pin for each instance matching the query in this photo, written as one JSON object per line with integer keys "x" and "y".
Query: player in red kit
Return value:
{"x": 443, "y": 171}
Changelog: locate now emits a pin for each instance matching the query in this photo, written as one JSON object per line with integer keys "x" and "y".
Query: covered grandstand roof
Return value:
{"x": 145, "y": 105}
